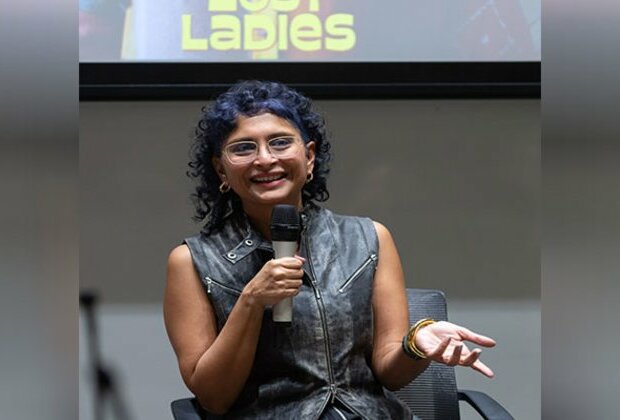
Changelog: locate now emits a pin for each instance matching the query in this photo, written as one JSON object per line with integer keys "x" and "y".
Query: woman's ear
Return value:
{"x": 310, "y": 156}
{"x": 219, "y": 168}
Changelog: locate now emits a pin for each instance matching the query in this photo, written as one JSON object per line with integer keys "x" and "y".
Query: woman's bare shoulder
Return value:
{"x": 180, "y": 256}
{"x": 382, "y": 232}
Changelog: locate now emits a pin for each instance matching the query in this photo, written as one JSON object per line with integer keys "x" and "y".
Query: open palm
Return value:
{"x": 443, "y": 342}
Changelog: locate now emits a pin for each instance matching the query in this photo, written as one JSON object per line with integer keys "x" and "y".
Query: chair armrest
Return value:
{"x": 486, "y": 406}
{"x": 185, "y": 409}
{"x": 189, "y": 409}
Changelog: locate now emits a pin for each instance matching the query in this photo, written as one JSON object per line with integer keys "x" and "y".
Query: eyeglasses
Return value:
{"x": 246, "y": 151}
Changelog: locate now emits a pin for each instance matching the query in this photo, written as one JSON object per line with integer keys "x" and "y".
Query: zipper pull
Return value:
{"x": 208, "y": 285}
{"x": 374, "y": 259}
{"x": 317, "y": 292}
{"x": 332, "y": 389}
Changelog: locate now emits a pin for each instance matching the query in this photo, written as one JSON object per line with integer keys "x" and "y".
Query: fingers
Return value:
{"x": 481, "y": 340}
{"x": 455, "y": 358}
{"x": 438, "y": 352}
{"x": 284, "y": 268}
{"x": 482, "y": 368}
{"x": 292, "y": 284}
{"x": 277, "y": 279}
{"x": 452, "y": 354}
{"x": 471, "y": 358}
{"x": 287, "y": 274}
{"x": 452, "y": 351}
{"x": 289, "y": 262}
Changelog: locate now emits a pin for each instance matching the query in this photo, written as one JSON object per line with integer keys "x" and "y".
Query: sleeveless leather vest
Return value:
{"x": 324, "y": 354}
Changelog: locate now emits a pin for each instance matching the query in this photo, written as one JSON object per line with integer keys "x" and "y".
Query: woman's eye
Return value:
{"x": 281, "y": 143}
{"x": 242, "y": 148}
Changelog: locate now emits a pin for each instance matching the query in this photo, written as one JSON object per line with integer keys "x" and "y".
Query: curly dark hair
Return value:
{"x": 250, "y": 98}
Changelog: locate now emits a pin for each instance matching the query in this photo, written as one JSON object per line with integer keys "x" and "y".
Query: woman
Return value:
{"x": 262, "y": 144}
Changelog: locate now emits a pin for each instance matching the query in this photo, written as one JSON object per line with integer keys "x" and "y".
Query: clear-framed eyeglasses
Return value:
{"x": 246, "y": 151}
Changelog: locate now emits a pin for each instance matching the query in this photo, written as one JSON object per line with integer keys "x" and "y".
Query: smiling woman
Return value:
{"x": 349, "y": 343}
{"x": 272, "y": 107}
{"x": 270, "y": 169}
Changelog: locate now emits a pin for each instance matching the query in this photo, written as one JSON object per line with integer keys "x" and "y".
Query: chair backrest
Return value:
{"x": 433, "y": 394}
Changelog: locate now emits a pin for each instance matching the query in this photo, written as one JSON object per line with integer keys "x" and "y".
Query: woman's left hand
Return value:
{"x": 443, "y": 342}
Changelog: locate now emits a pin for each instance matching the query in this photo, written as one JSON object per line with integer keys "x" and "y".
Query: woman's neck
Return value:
{"x": 260, "y": 221}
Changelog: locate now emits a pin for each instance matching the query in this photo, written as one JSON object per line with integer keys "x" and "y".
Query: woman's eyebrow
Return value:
{"x": 269, "y": 137}
{"x": 280, "y": 134}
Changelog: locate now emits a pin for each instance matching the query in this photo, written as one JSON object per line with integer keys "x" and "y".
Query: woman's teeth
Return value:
{"x": 268, "y": 178}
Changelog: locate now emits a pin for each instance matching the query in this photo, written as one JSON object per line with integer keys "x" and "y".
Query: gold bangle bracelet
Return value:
{"x": 413, "y": 331}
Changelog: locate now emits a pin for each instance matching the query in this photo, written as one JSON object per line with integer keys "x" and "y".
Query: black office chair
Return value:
{"x": 431, "y": 396}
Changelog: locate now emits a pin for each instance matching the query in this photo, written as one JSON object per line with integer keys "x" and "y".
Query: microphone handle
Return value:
{"x": 283, "y": 310}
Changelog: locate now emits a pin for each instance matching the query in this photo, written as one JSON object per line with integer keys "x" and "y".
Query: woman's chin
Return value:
{"x": 276, "y": 196}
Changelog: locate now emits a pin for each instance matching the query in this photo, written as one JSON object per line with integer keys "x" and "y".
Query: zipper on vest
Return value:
{"x": 339, "y": 413}
{"x": 355, "y": 275}
{"x": 332, "y": 389}
{"x": 211, "y": 282}
{"x": 311, "y": 276}
{"x": 361, "y": 416}
{"x": 317, "y": 293}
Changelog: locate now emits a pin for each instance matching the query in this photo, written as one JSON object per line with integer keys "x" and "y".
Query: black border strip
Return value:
{"x": 347, "y": 80}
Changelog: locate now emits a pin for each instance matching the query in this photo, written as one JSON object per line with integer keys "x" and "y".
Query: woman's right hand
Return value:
{"x": 279, "y": 278}
{"x": 215, "y": 364}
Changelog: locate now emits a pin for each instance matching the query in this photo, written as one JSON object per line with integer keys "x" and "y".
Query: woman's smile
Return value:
{"x": 266, "y": 162}
{"x": 269, "y": 180}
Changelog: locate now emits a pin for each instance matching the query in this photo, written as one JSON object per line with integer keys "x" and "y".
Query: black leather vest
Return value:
{"x": 324, "y": 354}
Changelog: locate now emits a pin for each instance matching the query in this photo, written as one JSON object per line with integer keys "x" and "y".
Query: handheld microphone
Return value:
{"x": 285, "y": 233}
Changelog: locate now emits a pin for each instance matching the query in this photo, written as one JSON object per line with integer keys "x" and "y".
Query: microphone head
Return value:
{"x": 285, "y": 223}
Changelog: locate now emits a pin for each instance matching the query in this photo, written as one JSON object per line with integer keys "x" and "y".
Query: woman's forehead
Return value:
{"x": 261, "y": 125}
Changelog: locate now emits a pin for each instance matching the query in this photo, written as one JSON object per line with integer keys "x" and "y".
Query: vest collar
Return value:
{"x": 252, "y": 240}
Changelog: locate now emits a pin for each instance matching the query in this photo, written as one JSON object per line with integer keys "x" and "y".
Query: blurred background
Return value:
{"x": 39, "y": 242}
{"x": 455, "y": 177}
{"x": 581, "y": 208}
{"x": 456, "y": 181}
{"x": 40, "y": 227}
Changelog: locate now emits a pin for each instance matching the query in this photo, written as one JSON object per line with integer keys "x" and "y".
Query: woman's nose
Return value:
{"x": 264, "y": 156}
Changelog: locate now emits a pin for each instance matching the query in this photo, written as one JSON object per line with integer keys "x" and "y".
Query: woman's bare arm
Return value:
{"x": 216, "y": 366}
{"x": 391, "y": 321}
{"x": 441, "y": 342}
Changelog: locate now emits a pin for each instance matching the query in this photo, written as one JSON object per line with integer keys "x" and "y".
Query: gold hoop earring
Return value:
{"x": 224, "y": 187}
{"x": 309, "y": 178}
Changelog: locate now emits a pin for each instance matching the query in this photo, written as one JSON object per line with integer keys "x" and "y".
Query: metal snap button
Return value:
{"x": 249, "y": 242}
{"x": 231, "y": 255}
